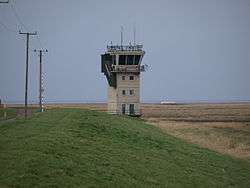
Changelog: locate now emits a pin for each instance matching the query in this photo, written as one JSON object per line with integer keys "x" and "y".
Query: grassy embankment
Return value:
{"x": 74, "y": 147}
{"x": 7, "y": 113}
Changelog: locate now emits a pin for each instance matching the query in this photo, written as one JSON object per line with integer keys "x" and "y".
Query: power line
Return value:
{"x": 18, "y": 17}
{"x": 7, "y": 28}
{"x": 3, "y": 24}
{"x": 39, "y": 41}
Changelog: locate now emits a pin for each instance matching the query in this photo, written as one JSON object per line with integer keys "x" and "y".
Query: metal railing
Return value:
{"x": 114, "y": 48}
{"x": 128, "y": 68}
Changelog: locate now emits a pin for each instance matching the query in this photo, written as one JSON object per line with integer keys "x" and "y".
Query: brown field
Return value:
{"x": 224, "y": 128}
{"x": 92, "y": 106}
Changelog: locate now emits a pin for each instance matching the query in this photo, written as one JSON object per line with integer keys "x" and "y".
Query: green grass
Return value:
{"x": 10, "y": 113}
{"x": 81, "y": 148}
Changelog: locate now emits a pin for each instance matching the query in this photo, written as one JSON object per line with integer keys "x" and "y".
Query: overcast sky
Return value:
{"x": 196, "y": 49}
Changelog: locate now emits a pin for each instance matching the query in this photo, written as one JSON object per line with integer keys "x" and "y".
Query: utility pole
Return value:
{"x": 27, "y": 67}
{"x": 4, "y": 1}
{"x": 41, "y": 51}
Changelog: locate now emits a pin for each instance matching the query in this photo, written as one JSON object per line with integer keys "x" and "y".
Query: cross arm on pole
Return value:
{"x": 4, "y": 1}
{"x": 28, "y": 33}
{"x": 40, "y": 50}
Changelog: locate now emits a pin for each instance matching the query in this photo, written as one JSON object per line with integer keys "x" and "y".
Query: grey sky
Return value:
{"x": 197, "y": 49}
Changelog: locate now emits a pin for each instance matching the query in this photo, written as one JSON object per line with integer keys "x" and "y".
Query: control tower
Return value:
{"x": 121, "y": 64}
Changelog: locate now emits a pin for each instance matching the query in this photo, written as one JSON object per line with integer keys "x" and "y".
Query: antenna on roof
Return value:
{"x": 134, "y": 30}
{"x": 121, "y": 35}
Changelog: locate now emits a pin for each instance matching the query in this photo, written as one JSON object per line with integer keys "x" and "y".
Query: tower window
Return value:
{"x": 131, "y": 77}
{"x": 131, "y": 92}
{"x": 122, "y": 59}
{"x": 137, "y": 59}
{"x": 123, "y": 92}
{"x": 130, "y": 59}
{"x": 123, "y": 77}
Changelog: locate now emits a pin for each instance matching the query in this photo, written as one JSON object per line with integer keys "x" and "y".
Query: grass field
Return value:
{"x": 82, "y": 148}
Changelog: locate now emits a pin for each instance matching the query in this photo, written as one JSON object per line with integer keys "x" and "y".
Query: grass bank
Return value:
{"x": 81, "y": 148}
{"x": 7, "y": 113}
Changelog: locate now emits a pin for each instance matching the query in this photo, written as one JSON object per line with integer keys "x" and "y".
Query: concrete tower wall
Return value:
{"x": 112, "y": 100}
{"x": 128, "y": 86}
{"x": 127, "y": 92}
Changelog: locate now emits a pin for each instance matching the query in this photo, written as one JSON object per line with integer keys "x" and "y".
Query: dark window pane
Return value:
{"x": 130, "y": 59}
{"x": 137, "y": 59}
{"x": 121, "y": 59}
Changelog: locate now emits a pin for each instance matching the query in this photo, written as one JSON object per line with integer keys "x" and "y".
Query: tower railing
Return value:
{"x": 128, "y": 68}
{"x": 114, "y": 48}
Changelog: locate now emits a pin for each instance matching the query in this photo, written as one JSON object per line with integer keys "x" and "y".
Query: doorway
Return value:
{"x": 123, "y": 108}
{"x": 131, "y": 109}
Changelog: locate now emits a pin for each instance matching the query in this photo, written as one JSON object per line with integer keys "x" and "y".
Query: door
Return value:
{"x": 123, "y": 108}
{"x": 131, "y": 109}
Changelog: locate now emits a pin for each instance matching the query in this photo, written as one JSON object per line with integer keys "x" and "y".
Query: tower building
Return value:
{"x": 121, "y": 64}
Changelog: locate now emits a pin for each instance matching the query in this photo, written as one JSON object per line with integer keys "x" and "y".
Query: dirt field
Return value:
{"x": 221, "y": 127}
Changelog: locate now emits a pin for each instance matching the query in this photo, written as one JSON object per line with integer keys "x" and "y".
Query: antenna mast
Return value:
{"x": 121, "y": 35}
{"x": 134, "y": 30}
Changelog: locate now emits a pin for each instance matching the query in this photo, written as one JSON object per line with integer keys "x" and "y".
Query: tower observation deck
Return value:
{"x": 121, "y": 64}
